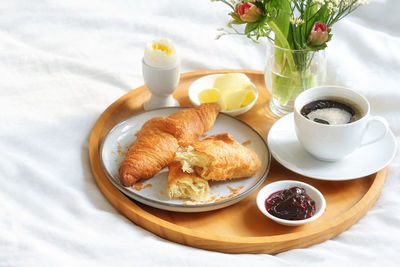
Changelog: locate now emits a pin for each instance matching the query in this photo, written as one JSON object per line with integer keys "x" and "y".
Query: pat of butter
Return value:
{"x": 231, "y": 91}
{"x": 231, "y": 82}
{"x": 239, "y": 98}
{"x": 160, "y": 53}
{"x": 212, "y": 95}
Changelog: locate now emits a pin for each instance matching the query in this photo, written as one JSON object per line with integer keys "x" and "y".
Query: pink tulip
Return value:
{"x": 318, "y": 34}
{"x": 248, "y": 12}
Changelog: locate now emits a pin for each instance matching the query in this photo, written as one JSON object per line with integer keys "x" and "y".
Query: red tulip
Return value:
{"x": 248, "y": 12}
{"x": 318, "y": 34}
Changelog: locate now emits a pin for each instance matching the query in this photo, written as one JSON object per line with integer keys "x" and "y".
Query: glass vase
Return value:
{"x": 289, "y": 72}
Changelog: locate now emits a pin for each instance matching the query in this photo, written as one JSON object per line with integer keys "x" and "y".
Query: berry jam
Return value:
{"x": 290, "y": 204}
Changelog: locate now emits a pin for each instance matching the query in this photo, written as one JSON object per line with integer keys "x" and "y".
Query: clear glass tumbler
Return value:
{"x": 289, "y": 72}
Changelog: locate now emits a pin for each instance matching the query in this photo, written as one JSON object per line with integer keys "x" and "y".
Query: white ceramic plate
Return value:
{"x": 287, "y": 150}
{"x": 207, "y": 82}
{"x": 154, "y": 190}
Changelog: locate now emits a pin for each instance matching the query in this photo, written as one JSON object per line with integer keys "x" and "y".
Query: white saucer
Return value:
{"x": 287, "y": 150}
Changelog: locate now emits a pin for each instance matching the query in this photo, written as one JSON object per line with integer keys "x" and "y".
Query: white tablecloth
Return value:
{"x": 63, "y": 62}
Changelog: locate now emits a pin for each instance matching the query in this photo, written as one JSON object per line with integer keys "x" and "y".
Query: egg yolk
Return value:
{"x": 163, "y": 48}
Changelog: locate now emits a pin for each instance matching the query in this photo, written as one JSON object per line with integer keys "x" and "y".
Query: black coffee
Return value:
{"x": 330, "y": 111}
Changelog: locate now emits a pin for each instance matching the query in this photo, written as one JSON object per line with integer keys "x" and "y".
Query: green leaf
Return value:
{"x": 316, "y": 15}
{"x": 309, "y": 18}
{"x": 237, "y": 22}
{"x": 281, "y": 39}
{"x": 312, "y": 10}
{"x": 282, "y": 18}
{"x": 235, "y": 15}
{"x": 250, "y": 27}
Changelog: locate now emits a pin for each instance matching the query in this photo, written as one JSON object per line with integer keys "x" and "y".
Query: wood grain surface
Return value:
{"x": 240, "y": 228}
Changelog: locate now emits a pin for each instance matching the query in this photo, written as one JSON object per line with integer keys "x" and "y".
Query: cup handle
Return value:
{"x": 385, "y": 128}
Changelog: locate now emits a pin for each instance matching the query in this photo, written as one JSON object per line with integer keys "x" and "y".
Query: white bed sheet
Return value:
{"x": 63, "y": 62}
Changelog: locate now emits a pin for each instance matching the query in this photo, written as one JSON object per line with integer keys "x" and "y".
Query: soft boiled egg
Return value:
{"x": 160, "y": 53}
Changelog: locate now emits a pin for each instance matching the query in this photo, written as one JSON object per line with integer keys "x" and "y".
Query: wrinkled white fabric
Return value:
{"x": 62, "y": 63}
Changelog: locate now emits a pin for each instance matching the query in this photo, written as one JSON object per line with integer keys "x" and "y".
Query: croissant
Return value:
{"x": 218, "y": 157}
{"x": 185, "y": 185}
{"x": 158, "y": 139}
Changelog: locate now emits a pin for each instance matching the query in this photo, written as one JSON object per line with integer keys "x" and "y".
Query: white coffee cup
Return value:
{"x": 335, "y": 142}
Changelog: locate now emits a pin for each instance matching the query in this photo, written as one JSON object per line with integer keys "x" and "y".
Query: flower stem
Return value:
{"x": 284, "y": 44}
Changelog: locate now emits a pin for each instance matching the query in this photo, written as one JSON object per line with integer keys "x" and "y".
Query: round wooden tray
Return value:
{"x": 240, "y": 228}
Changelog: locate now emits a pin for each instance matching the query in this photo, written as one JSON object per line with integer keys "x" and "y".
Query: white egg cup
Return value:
{"x": 161, "y": 82}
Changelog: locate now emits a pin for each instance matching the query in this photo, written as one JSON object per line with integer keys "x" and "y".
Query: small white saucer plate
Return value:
{"x": 153, "y": 191}
{"x": 286, "y": 149}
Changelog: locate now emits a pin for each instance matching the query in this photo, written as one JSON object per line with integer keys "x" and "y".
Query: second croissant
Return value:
{"x": 218, "y": 157}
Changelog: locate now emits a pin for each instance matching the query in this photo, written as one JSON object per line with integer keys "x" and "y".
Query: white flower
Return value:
{"x": 299, "y": 21}
{"x": 334, "y": 3}
{"x": 330, "y": 7}
{"x": 295, "y": 21}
